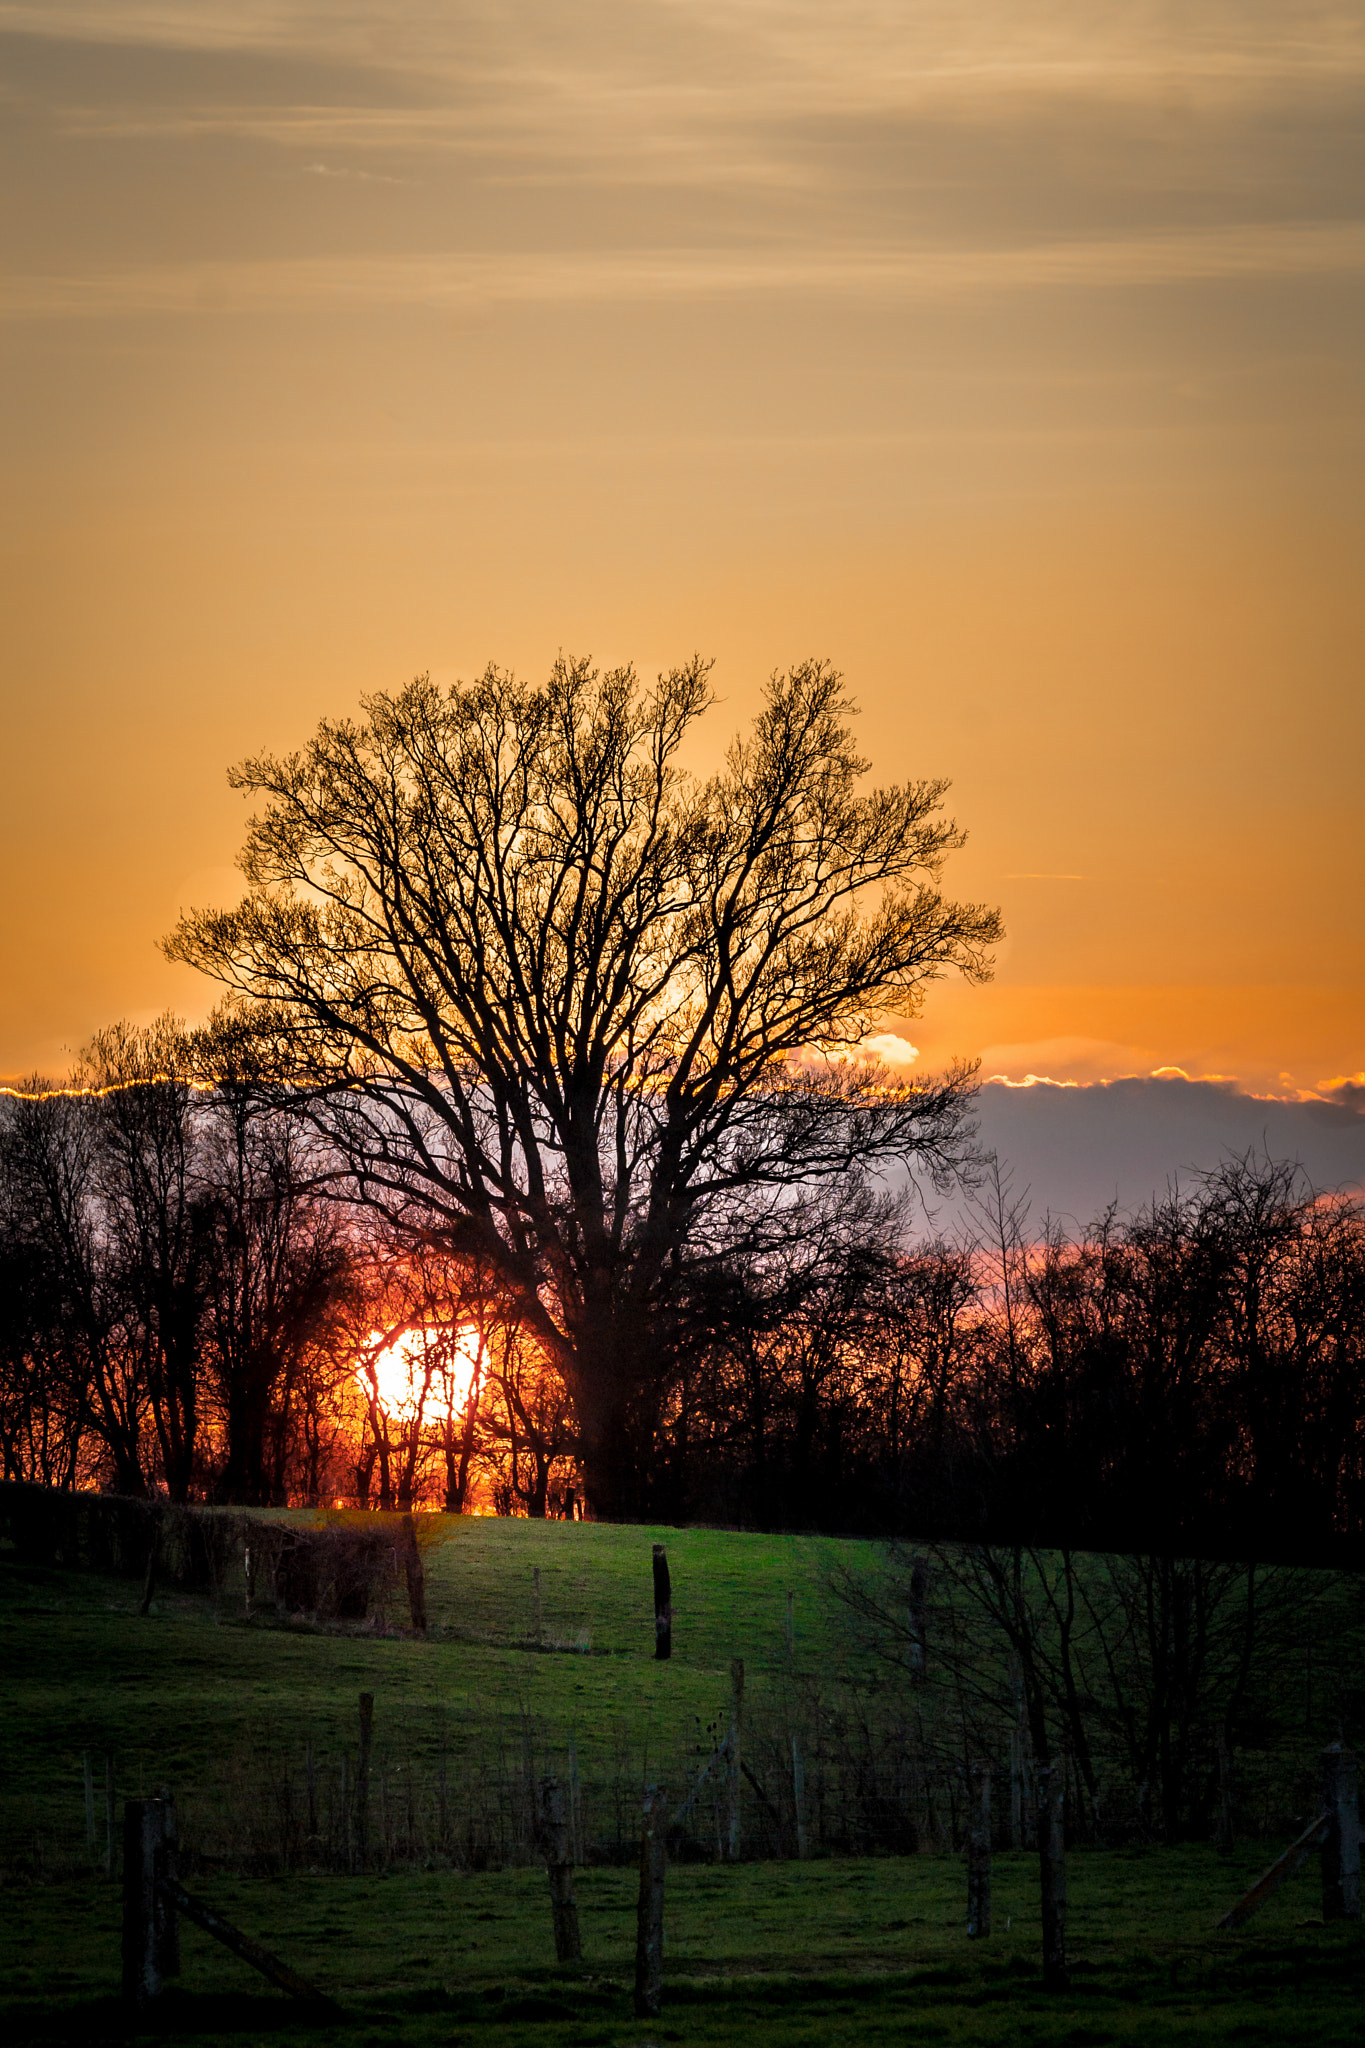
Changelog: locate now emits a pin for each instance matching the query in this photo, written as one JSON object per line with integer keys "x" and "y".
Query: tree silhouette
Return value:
{"x": 563, "y": 1008}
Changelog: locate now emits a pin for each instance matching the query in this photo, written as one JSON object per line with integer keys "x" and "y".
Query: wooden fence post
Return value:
{"x": 362, "y": 1782}
{"x": 110, "y": 1813}
{"x": 649, "y": 1919}
{"x": 732, "y": 1761}
{"x": 149, "y": 1582}
{"x": 250, "y": 1951}
{"x": 1280, "y": 1871}
{"x": 415, "y": 1576}
{"x": 979, "y": 1857}
{"x": 799, "y": 1798}
{"x": 1016, "y": 1790}
{"x": 1341, "y": 1846}
{"x": 558, "y": 1847}
{"x": 167, "y": 1919}
{"x": 88, "y": 1766}
{"x": 143, "y": 1920}
{"x": 663, "y": 1606}
{"x": 918, "y": 1620}
{"x": 311, "y": 1775}
{"x": 1225, "y": 1836}
{"x": 1051, "y": 1779}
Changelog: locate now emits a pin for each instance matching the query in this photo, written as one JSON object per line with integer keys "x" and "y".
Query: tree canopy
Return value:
{"x": 587, "y": 1020}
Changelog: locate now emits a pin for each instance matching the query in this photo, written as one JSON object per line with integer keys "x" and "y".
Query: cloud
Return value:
{"x": 862, "y": 51}
{"x": 343, "y": 171}
{"x": 897, "y": 1052}
{"x": 469, "y": 279}
{"x": 1080, "y": 1147}
{"x": 757, "y": 91}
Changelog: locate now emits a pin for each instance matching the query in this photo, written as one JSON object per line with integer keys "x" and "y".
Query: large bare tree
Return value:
{"x": 567, "y": 1009}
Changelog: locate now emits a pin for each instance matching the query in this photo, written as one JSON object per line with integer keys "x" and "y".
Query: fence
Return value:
{"x": 154, "y": 1898}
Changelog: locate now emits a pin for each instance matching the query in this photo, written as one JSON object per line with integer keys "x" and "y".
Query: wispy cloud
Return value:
{"x": 471, "y": 280}
{"x": 880, "y": 47}
{"x": 345, "y": 171}
{"x": 705, "y": 92}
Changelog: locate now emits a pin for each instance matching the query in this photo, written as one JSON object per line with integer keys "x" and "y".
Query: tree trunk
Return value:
{"x": 614, "y": 1394}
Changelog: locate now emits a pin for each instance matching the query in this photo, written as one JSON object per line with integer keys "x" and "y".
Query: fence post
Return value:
{"x": 87, "y": 1763}
{"x": 555, "y": 1840}
{"x": 1051, "y": 1780}
{"x": 110, "y": 1813}
{"x": 663, "y": 1606}
{"x": 799, "y": 1797}
{"x": 649, "y": 1920}
{"x": 167, "y": 1919}
{"x": 415, "y": 1576}
{"x": 979, "y": 1857}
{"x": 149, "y": 1581}
{"x": 575, "y": 1802}
{"x": 311, "y": 1775}
{"x": 1225, "y": 1835}
{"x": 732, "y": 1760}
{"x": 1341, "y": 1849}
{"x": 918, "y": 1620}
{"x": 362, "y": 1782}
{"x": 143, "y": 1942}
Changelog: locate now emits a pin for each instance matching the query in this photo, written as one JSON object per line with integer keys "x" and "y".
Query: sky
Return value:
{"x": 1011, "y": 357}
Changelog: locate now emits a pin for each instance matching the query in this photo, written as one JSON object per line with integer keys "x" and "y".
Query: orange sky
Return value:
{"x": 1011, "y": 357}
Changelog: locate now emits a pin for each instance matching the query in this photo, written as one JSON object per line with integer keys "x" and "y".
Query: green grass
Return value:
{"x": 190, "y": 1689}
{"x": 829, "y": 1952}
{"x": 729, "y": 1590}
{"x": 791, "y": 1954}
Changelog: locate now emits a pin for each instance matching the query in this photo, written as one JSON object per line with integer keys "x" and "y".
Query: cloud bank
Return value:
{"x": 1078, "y": 1148}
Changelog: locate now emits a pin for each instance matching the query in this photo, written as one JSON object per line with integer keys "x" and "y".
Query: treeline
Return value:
{"x": 1188, "y": 1378}
{"x": 180, "y": 1301}
{"x": 194, "y": 1305}
{"x": 198, "y": 1302}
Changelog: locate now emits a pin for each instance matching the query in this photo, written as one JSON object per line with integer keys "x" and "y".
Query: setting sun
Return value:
{"x": 434, "y": 1363}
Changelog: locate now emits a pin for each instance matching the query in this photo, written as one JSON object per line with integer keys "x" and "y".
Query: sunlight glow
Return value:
{"x": 399, "y": 1370}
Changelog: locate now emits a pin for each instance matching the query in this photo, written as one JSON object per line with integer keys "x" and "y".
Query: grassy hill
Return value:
{"x": 195, "y": 1696}
{"x": 452, "y": 1942}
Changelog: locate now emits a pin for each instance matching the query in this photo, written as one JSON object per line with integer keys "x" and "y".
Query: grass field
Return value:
{"x": 191, "y": 1691}
{"x": 835, "y": 1950}
{"x": 862, "y": 1951}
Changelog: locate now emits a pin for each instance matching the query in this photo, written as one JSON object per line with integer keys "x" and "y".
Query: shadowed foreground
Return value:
{"x": 854, "y": 1951}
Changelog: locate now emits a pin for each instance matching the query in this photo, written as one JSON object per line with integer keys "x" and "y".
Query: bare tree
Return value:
{"x": 281, "y": 1275}
{"x": 79, "y": 1334}
{"x": 1136, "y": 1671}
{"x": 154, "y": 1222}
{"x": 585, "y": 1020}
